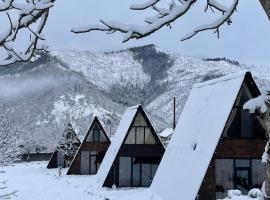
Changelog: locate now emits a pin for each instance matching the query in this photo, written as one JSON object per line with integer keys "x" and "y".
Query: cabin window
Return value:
{"x": 146, "y": 174}
{"x": 149, "y": 137}
{"x": 139, "y": 120}
{"x": 102, "y": 136}
{"x": 124, "y": 171}
{"x": 134, "y": 172}
{"x": 242, "y": 174}
{"x": 131, "y": 139}
{"x": 140, "y": 133}
{"x": 89, "y": 162}
{"x": 96, "y": 135}
{"x": 241, "y": 122}
{"x": 258, "y": 173}
{"x": 224, "y": 177}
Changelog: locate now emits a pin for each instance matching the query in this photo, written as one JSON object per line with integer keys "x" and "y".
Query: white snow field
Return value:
{"x": 34, "y": 181}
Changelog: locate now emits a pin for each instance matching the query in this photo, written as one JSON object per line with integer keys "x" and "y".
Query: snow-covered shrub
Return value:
{"x": 232, "y": 193}
{"x": 255, "y": 193}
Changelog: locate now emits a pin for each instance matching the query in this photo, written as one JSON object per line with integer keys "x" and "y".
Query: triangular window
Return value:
{"x": 140, "y": 132}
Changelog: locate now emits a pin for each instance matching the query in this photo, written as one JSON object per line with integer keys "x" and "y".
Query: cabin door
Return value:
{"x": 85, "y": 157}
{"x": 243, "y": 179}
{"x": 125, "y": 171}
{"x": 242, "y": 175}
{"x": 93, "y": 164}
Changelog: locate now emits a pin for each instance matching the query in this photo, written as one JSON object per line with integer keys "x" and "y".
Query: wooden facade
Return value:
{"x": 236, "y": 163}
{"x": 92, "y": 150}
{"x": 138, "y": 157}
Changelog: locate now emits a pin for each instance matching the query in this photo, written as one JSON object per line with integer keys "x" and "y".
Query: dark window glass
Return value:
{"x": 96, "y": 135}
{"x": 154, "y": 170}
{"x": 136, "y": 174}
{"x": 146, "y": 175}
{"x": 259, "y": 131}
{"x": 125, "y": 171}
{"x": 93, "y": 164}
{"x": 258, "y": 173}
{"x": 246, "y": 124}
{"x": 131, "y": 138}
{"x": 85, "y": 156}
{"x": 139, "y": 135}
{"x": 242, "y": 163}
{"x": 243, "y": 180}
{"x": 224, "y": 169}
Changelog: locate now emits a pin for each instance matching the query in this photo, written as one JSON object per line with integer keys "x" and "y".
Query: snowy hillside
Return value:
{"x": 76, "y": 85}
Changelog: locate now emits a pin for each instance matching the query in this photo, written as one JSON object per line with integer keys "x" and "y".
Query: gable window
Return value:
{"x": 96, "y": 135}
{"x": 140, "y": 133}
{"x": 241, "y": 122}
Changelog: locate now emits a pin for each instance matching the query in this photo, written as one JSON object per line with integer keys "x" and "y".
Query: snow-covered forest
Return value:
{"x": 70, "y": 84}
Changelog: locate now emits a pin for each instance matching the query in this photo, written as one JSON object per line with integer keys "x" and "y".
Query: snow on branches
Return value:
{"x": 259, "y": 104}
{"x": 9, "y": 145}
{"x": 69, "y": 143}
{"x": 30, "y": 16}
{"x": 163, "y": 17}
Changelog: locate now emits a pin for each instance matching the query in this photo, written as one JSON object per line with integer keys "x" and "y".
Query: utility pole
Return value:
{"x": 174, "y": 107}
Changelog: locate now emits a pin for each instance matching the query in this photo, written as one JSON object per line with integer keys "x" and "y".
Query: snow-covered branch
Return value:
{"x": 32, "y": 17}
{"x": 163, "y": 17}
{"x": 259, "y": 104}
{"x": 226, "y": 15}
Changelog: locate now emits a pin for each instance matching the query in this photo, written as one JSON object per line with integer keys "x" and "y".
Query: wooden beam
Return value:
{"x": 266, "y": 6}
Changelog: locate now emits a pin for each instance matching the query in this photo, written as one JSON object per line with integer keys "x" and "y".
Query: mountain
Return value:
{"x": 73, "y": 86}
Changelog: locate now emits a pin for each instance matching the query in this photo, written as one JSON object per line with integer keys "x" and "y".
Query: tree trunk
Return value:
{"x": 266, "y": 6}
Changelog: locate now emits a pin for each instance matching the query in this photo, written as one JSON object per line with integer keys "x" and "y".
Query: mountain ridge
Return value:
{"x": 73, "y": 86}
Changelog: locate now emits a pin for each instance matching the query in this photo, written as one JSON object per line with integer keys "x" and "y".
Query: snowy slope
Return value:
{"x": 76, "y": 85}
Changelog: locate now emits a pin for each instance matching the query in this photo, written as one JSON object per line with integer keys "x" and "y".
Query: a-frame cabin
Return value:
{"x": 92, "y": 150}
{"x": 216, "y": 146}
{"x": 66, "y": 149}
{"x": 134, "y": 154}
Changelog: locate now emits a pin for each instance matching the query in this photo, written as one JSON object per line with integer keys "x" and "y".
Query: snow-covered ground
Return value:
{"x": 33, "y": 181}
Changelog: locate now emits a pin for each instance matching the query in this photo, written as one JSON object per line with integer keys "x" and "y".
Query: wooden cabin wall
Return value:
{"x": 75, "y": 168}
{"x": 229, "y": 148}
{"x": 53, "y": 161}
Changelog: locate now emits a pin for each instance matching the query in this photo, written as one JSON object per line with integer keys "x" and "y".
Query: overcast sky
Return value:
{"x": 246, "y": 40}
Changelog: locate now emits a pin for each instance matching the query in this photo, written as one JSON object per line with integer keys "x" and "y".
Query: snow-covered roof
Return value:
{"x": 116, "y": 142}
{"x": 166, "y": 132}
{"x": 195, "y": 138}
